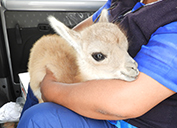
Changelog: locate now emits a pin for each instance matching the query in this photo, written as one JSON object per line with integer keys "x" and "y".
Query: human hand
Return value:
{"x": 46, "y": 85}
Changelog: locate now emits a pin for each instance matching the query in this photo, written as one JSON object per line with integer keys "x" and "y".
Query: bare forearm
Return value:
{"x": 107, "y": 99}
{"x": 85, "y": 98}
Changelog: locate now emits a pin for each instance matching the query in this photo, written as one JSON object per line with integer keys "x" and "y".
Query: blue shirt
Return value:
{"x": 158, "y": 59}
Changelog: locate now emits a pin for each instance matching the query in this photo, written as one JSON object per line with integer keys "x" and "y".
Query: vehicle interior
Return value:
{"x": 22, "y": 23}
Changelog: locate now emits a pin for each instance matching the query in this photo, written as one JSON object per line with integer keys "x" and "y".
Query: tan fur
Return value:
{"x": 70, "y": 57}
{"x": 53, "y": 52}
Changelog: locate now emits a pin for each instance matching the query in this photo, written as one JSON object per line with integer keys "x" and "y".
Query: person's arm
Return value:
{"x": 106, "y": 99}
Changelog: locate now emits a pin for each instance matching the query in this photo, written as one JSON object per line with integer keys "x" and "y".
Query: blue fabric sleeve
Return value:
{"x": 158, "y": 59}
{"x": 98, "y": 12}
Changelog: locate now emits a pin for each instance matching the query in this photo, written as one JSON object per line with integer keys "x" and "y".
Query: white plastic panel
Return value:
{"x": 53, "y": 5}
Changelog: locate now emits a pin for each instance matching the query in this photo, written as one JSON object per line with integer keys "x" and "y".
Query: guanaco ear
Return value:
{"x": 71, "y": 36}
{"x": 104, "y": 16}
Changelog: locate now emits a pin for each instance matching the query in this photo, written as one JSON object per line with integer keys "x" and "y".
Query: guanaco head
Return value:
{"x": 101, "y": 50}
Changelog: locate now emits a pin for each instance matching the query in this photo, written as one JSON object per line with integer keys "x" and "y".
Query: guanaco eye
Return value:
{"x": 98, "y": 56}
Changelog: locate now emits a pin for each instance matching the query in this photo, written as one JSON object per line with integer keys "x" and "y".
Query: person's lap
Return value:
{"x": 50, "y": 115}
